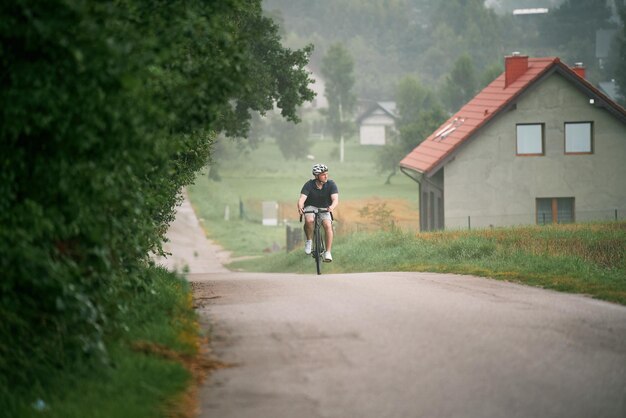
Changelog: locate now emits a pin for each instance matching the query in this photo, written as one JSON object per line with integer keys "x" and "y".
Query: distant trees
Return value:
{"x": 338, "y": 72}
{"x": 389, "y": 39}
{"x": 292, "y": 139}
{"x": 460, "y": 84}
{"x": 457, "y": 28}
{"x": 420, "y": 113}
{"x": 620, "y": 56}
{"x": 570, "y": 30}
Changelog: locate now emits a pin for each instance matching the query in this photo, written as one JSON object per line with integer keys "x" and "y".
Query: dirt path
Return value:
{"x": 189, "y": 246}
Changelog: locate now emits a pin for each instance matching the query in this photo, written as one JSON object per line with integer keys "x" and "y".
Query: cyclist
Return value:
{"x": 319, "y": 192}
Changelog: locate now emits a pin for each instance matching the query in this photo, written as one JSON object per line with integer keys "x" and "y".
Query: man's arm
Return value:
{"x": 301, "y": 203}
{"x": 334, "y": 198}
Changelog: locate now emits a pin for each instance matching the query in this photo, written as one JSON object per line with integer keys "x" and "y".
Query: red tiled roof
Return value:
{"x": 428, "y": 156}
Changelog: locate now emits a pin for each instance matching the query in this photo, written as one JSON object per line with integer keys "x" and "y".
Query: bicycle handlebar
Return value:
{"x": 318, "y": 210}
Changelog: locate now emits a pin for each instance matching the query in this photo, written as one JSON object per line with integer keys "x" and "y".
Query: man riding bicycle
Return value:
{"x": 317, "y": 193}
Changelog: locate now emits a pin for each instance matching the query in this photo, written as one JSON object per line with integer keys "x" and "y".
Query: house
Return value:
{"x": 375, "y": 122}
{"x": 540, "y": 144}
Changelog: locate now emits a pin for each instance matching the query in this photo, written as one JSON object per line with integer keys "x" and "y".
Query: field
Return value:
{"x": 264, "y": 175}
{"x": 587, "y": 258}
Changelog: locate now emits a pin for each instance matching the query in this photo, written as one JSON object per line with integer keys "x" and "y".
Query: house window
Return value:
{"x": 555, "y": 210}
{"x": 578, "y": 138}
{"x": 530, "y": 139}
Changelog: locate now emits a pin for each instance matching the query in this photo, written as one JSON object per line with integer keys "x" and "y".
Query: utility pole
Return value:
{"x": 341, "y": 149}
{"x": 337, "y": 69}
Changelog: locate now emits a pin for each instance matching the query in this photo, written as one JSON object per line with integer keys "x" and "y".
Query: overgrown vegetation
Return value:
{"x": 579, "y": 258}
{"x": 108, "y": 109}
{"x": 150, "y": 352}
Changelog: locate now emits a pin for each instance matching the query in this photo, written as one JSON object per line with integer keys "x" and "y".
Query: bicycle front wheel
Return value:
{"x": 319, "y": 250}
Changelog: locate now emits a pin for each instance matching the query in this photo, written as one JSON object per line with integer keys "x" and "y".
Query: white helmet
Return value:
{"x": 319, "y": 169}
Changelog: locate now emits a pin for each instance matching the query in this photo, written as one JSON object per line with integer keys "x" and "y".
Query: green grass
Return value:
{"x": 263, "y": 175}
{"x": 144, "y": 375}
{"x": 585, "y": 258}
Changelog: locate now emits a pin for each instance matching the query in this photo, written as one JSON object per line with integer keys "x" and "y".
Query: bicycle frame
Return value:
{"x": 319, "y": 243}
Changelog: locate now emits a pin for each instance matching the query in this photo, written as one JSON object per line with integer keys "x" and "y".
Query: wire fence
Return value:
{"x": 294, "y": 234}
{"x": 519, "y": 219}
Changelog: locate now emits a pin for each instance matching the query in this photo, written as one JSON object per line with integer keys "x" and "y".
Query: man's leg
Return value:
{"x": 328, "y": 228}
{"x": 309, "y": 221}
{"x": 308, "y": 232}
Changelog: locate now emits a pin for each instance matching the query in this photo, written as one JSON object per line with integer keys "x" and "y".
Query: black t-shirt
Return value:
{"x": 320, "y": 198}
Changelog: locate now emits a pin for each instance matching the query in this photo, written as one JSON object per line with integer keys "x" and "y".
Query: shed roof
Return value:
{"x": 388, "y": 108}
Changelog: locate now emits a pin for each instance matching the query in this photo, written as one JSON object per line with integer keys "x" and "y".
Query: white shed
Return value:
{"x": 375, "y": 121}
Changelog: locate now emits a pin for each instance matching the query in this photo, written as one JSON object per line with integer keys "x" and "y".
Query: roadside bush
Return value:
{"x": 107, "y": 110}
{"x": 150, "y": 350}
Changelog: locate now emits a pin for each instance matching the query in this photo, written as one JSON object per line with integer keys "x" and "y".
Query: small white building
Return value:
{"x": 375, "y": 121}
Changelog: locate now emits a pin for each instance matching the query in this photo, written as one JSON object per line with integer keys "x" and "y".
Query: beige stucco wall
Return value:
{"x": 489, "y": 183}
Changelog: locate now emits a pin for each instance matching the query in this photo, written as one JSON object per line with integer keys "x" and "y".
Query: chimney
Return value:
{"x": 514, "y": 66}
{"x": 579, "y": 69}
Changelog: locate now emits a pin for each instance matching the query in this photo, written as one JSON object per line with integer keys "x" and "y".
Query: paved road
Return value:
{"x": 408, "y": 345}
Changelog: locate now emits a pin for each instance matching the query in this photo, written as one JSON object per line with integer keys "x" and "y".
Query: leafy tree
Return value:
{"x": 463, "y": 27}
{"x": 460, "y": 85}
{"x": 292, "y": 139}
{"x": 420, "y": 113}
{"x": 107, "y": 109}
{"x": 489, "y": 74}
{"x": 273, "y": 74}
{"x": 337, "y": 70}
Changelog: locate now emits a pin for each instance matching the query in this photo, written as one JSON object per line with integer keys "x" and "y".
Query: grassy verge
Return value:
{"x": 584, "y": 258}
{"x": 148, "y": 373}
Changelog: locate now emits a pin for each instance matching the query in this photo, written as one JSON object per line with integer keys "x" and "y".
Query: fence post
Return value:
{"x": 294, "y": 237}
{"x": 616, "y": 214}
{"x": 469, "y": 223}
{"x": 288, "y": 238}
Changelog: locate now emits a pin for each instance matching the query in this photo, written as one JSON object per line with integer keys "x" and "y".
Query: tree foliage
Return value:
{"x": 571, "y": 29}
{"x": 292, "y": 139}
{"x": 108, "y": 108}
{"x": 620, "y": 59}
{"x": 338, "y": 72}
{"x": 420, "y": 113}
{"x": 461, "y": 84}
{"x": 390, "y": 39}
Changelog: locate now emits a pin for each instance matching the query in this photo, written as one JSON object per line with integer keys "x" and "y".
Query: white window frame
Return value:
{"x": 574, "y": 136}
{"x": 523, "y": 133}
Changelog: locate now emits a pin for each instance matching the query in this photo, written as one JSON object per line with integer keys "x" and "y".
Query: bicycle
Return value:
{"x": 319, "y": 244}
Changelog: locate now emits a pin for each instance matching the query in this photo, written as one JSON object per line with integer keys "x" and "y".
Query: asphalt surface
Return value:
{"x": 401, "y": 344}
